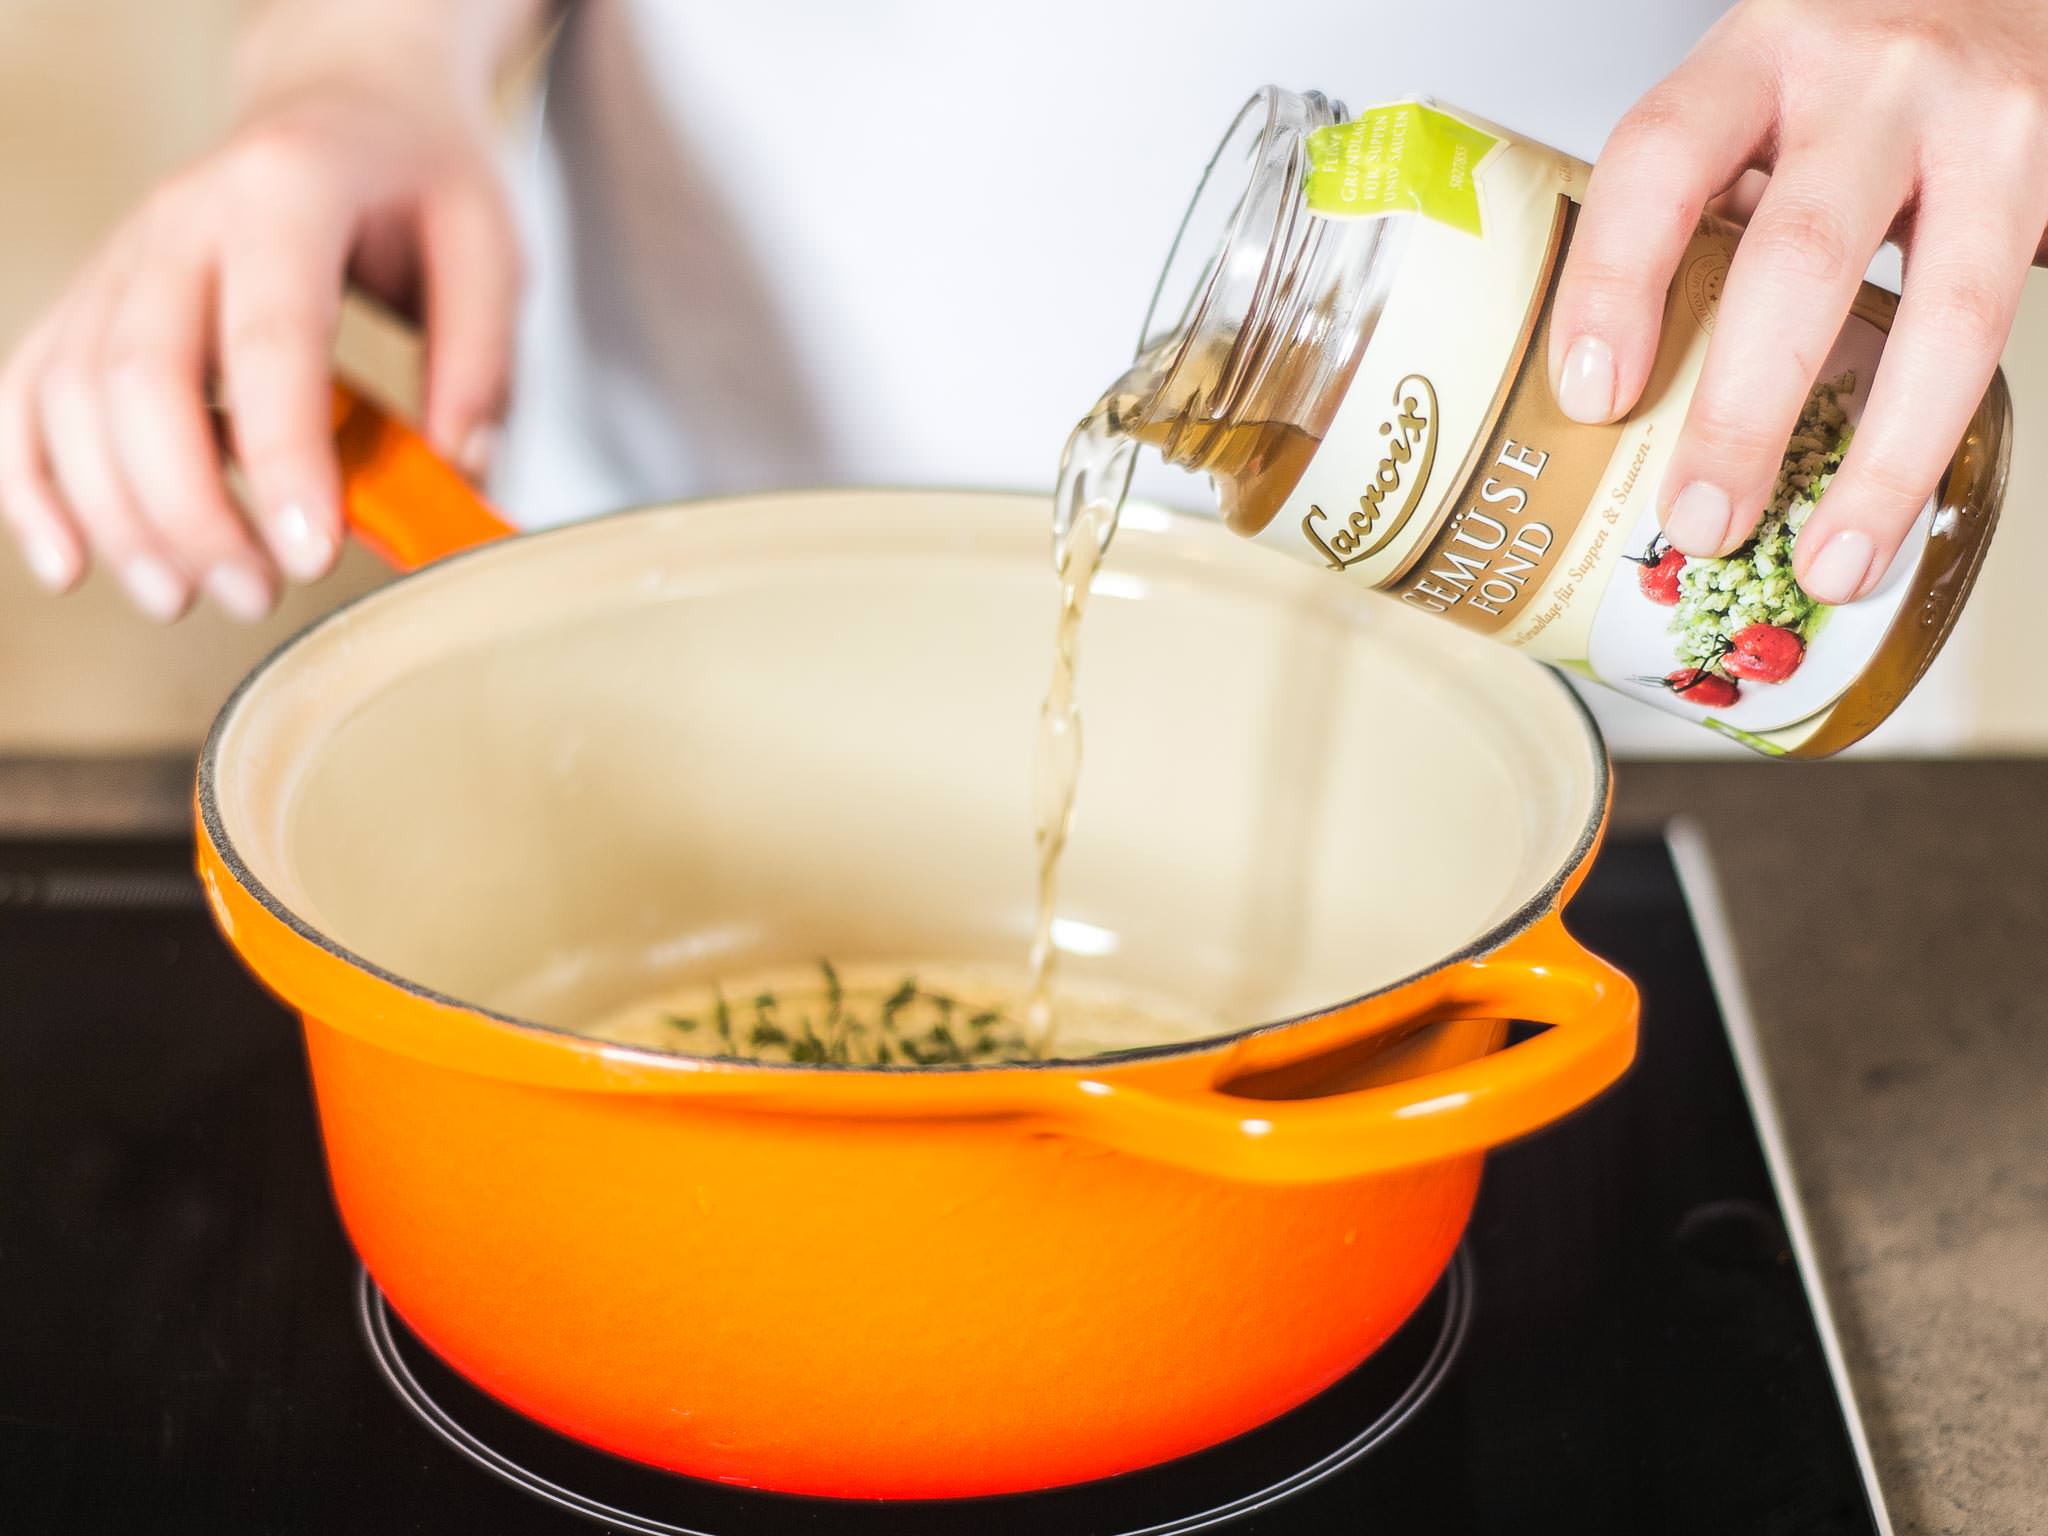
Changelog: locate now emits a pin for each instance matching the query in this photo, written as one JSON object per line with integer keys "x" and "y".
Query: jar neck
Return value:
{"x": 1266, "y": 330}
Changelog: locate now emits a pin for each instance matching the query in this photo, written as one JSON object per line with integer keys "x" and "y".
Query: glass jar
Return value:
{"x": 1359, "y": 364}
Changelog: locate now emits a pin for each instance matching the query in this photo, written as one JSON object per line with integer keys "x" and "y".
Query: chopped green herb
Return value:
{"x": 828, "y": 1019}
{"x": 835, "y": 998}
{"x": 722, "y": 1015}
{"x": 897, "y": 1001}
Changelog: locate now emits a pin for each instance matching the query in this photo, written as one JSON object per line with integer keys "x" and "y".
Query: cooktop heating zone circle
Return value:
{"x": 1208, "y": 1491}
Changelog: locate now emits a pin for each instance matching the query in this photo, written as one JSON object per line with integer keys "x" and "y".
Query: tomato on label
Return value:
{"x": 1764, "y": 653}
{"x": 1658, "y": 576}
{"x": 1699, "y": 685}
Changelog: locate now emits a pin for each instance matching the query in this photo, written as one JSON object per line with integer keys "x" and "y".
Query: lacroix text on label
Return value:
{"x": 1411, "y": 437}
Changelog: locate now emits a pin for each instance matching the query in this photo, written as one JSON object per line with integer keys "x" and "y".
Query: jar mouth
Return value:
{"x": 1235, "y": 246}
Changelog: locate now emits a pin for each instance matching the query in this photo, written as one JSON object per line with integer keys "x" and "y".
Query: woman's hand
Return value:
{"x": 362, "y": 152}
{"x": 1876, "y": 119}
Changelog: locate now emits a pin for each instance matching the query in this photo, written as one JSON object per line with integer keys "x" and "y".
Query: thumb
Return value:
{"x": 471, "y": 255}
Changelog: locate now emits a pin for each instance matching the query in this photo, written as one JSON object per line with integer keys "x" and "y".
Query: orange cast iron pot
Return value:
{"x": 896, "y": 1283}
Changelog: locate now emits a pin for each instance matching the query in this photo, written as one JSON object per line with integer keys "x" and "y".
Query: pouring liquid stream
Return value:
{"x": 1095, "y": 471}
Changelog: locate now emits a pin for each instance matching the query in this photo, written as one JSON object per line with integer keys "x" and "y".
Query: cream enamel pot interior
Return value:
{"x": 537, "y": 780}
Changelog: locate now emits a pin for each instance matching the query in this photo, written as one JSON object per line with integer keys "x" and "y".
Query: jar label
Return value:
{"x": 1449, "y": 478}
{"x": 1494, "y": 561}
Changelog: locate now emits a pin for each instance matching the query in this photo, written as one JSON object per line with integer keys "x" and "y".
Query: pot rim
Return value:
{"x": 1537, "y": 906}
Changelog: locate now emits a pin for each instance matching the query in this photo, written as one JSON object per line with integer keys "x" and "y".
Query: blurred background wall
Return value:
{"x": 99, "y": 97}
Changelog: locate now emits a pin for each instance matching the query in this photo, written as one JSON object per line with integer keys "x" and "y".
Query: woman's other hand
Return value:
{"x": 363, "y": 150}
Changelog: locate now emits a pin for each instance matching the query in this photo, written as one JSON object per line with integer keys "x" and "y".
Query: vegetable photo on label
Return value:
{"x": 1744, "y": 614}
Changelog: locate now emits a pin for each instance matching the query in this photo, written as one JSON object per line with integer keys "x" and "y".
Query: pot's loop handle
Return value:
{"x": 1543, "y": 977}
{"x": 402, "y": 499}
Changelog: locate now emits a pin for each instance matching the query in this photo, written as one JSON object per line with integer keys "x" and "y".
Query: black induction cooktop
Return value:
{"x": 1628, "y": 1341}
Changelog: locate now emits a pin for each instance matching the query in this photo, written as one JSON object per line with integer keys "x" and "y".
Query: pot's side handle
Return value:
{"x": 1544, "y": 977}
{"x": 402, "y": 499}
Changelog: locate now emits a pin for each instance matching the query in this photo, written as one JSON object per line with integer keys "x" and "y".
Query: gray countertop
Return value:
{"x": 1898, "y": 968}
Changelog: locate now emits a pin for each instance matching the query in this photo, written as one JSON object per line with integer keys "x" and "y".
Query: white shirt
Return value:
{"x": 909, "y": 242}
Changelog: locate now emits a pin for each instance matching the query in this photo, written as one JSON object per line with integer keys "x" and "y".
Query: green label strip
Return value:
{"x": 1400, "y": 158}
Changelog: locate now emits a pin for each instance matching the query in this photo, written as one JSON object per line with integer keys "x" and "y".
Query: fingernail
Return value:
{"x": 154, "y": 588}
{"x": 241, "y": 593}
{"x": 1697, "y": 519}
{"x": 478, "y": 449}
{"x": 304, "y": 548}
{"x": 1837, "y": 572}
{"x": 1585, "y": 384}
{"x": 49, "y": 564}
